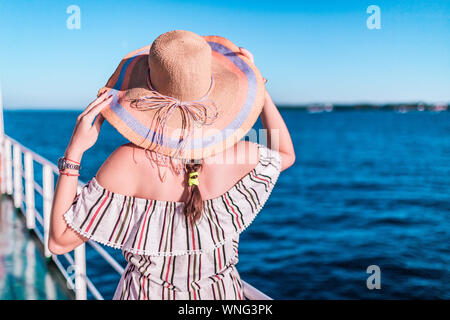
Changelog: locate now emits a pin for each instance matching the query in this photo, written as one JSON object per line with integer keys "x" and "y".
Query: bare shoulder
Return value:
{"x": 118, "y": 173}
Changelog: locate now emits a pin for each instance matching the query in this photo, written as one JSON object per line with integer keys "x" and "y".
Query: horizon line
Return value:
{"x": 280, "y": 105}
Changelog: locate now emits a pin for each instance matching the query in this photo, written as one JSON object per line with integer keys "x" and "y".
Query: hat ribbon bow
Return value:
{"x": 202, "y": 111}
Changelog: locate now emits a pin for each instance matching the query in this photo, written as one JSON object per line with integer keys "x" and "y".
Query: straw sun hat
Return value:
{"x": 185, "y": 96}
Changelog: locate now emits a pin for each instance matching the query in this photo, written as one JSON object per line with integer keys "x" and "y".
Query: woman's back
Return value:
{"x": 131, "y": 170}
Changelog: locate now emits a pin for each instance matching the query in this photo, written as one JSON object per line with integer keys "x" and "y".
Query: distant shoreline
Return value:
{"x": 399, "y": 107}
{"x": 313, "y": 108}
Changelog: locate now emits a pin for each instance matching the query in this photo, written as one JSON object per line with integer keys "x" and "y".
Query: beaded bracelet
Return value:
{"x": 72, "y": 160}
{"x": 68, "y": 174}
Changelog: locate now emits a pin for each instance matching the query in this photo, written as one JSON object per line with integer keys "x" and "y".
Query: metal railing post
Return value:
{"x": 29, "y": 191}
{"x": 47, "y": 205}
{"x": 251, "y": 293}
{"x": 3, "y": 165}
{"x": 80, "y": 273}
{"x": 2, "y": 148}
{"x": 17, "y": 159}
{"x": 8, "y": 167}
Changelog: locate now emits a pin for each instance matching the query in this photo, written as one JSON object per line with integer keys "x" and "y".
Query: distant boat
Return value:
{"x": 402, "y": 109}
{"x": 317, "y": 108}
{"x": 439, "y": 108}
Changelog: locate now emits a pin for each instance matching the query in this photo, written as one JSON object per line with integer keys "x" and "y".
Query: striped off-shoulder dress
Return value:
{"x": 169, "y": 258}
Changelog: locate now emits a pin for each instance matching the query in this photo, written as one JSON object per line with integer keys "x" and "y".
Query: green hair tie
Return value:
{"x": 193, "y": 178}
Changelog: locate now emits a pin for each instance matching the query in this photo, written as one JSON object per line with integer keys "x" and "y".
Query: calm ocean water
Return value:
{"x": 368, "y": 188}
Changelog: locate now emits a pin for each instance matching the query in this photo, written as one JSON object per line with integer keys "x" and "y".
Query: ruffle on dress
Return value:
{"x": 160, "y": 228}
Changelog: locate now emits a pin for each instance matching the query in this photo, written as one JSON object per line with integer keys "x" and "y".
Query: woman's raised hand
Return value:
{"x": 249, "y": 55}
{"x": 85, "y": 133}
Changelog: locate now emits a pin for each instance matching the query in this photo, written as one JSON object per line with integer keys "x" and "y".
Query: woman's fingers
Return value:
{"x": 100, "y": 98}
{"x": 91, "y": 114}
{"x": 98, "y": 123}
{"x": 247, "y": 53}
{"x": 102, "y": 91}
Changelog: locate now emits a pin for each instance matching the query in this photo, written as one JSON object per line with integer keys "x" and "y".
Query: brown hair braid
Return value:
{"x": 194, "y": 205}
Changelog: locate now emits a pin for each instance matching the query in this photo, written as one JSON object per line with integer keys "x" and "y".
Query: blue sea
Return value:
{"x": 368, "y": 188}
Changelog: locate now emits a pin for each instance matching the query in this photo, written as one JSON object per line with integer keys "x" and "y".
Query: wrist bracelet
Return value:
{"x": 72, "y": 160}
{"x": 68, "y": 174}
{"x": 64, "y": 163}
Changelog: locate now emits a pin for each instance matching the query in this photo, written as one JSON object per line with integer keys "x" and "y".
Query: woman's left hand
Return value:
{"x": 249, "y": 55}
{"x": 85, "y": 133}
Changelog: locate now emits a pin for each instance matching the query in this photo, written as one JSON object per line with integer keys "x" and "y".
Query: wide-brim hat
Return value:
{"x": 202, "y": 84}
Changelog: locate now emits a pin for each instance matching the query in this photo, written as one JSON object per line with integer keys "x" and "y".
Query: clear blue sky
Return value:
{"x": 311, "y": 51}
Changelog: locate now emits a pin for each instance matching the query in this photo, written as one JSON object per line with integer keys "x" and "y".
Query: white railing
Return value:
{"x": 12, "y": 185}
